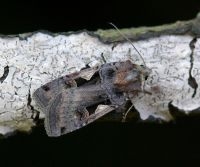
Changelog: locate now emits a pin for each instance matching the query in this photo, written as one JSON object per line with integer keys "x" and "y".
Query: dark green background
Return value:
{"x": 100, "y": 144}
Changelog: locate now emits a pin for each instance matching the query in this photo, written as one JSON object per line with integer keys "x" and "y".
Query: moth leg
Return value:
{"x": 84, "y": 113}
{"x": 126, "y": 113}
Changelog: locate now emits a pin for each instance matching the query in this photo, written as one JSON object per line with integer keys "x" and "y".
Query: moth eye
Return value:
{"x": 146, "y": 77}
{"x": 110, "y": 72}
{"x": 45, "y": 87}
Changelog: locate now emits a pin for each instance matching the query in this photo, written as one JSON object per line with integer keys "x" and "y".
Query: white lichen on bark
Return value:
{"x": 41, "y": 58}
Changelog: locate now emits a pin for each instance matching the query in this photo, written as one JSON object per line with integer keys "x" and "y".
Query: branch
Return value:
{"x": 31, "y": 60}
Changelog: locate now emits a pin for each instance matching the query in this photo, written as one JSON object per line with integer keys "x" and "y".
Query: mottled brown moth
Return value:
{"x": 75, "y": 100}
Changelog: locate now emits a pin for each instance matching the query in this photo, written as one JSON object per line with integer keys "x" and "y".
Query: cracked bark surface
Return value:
{"x": 171, "y": 51}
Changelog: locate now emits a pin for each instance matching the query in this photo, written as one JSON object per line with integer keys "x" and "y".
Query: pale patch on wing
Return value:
{"x": 88, "y": 73}
{"x": 102, "y": 107}
{"x": 99, "y": 112}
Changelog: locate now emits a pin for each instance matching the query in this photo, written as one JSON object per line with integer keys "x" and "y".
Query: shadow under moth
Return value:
{"x": 67, "y": 101}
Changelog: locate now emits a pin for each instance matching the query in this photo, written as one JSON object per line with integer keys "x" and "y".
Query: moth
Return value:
{"x": 75, "y": 100}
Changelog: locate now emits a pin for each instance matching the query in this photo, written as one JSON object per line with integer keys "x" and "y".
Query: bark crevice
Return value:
{"x": 191, "y": 80}
{"x": 5, "y": 74}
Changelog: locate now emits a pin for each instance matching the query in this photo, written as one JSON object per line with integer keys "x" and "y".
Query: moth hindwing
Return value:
{"x": 71, "y": 102}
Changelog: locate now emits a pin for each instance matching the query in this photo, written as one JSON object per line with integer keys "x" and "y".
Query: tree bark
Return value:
{"x": 172, "y": 52}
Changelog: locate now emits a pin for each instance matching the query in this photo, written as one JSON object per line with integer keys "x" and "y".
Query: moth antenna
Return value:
{"x": 129, "y": 42}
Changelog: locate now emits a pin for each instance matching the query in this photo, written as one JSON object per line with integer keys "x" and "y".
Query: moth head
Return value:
{"x": 131, "y": 77}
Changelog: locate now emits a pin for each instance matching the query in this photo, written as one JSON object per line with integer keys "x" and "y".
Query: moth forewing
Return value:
{"x": 48, "y": 91}
{"x": 68, "y": 110}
